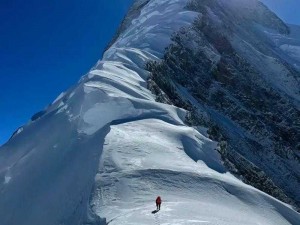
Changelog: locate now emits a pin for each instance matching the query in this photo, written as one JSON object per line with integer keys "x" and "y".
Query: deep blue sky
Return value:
{"x": 47, "y": 45}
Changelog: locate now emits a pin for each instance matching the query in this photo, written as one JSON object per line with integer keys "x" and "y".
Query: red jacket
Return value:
{"x": 158, "y": 200}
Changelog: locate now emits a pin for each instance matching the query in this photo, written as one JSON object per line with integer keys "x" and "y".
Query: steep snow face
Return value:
{"x": 105, "y": 149}
{"x": 152, "y": 29}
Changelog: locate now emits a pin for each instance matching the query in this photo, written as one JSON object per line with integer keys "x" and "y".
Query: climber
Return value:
{"x": 158, "y": 202}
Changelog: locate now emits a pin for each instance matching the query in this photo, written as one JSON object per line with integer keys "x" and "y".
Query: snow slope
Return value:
{"x": 145, "y": 158}
{"x": 105, "y": 149}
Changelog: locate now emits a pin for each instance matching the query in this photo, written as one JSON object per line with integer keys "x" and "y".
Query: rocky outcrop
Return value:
{"x": 211, "y": 69}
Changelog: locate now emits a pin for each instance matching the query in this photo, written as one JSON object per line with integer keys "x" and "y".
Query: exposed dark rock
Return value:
{"x": 256, "y": 124}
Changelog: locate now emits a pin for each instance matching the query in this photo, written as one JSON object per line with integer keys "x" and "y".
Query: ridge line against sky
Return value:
{"x": 287, "y": 10}
{"x": 47, "y": 46}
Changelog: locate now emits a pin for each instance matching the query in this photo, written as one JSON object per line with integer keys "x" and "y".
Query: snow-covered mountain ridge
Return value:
{"x": 105, "y": 149}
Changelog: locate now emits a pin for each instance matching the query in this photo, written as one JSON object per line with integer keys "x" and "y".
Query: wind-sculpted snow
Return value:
{"x": 146, "y": 158}
{"x": 105, "y": 149}
{"x": 152, "y": 29}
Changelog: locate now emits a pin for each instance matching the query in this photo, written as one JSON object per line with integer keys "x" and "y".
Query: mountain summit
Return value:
{"x": 194, "y": 101}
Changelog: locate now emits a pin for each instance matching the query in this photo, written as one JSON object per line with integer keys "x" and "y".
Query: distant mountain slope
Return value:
{"x": 105, "y": 148}
{"x": 288, "y": 44}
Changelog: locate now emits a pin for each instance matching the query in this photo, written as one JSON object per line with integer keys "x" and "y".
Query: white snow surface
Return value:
{"x": 107, "y": 149}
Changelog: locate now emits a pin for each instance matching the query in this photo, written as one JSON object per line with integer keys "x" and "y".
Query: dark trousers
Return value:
{"x": 158, "y": 206}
